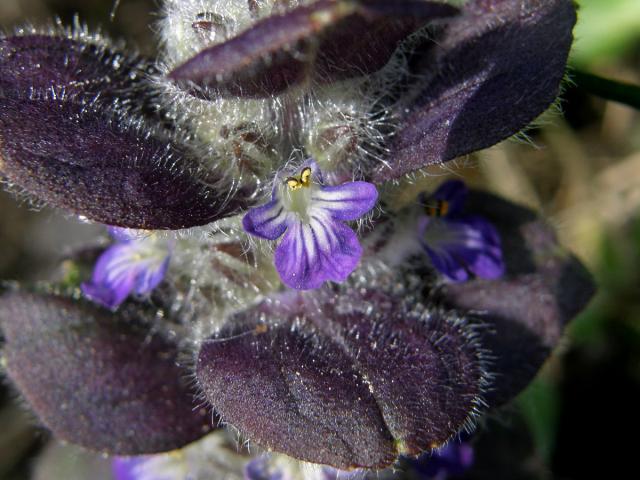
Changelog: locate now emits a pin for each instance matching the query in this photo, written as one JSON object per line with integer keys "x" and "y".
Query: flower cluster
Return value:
{"x": 250, "y": 180}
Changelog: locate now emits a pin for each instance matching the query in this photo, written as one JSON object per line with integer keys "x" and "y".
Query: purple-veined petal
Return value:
{"x": 454, "y": 192}
{"x": 261, "y": 469}
{"x": 123, "y": 234}
{"x": 526, "y": 310}
{"x": 460, "y": 246}
{"x": 497, "y": 67}
{"x": 150, "y": 277}
{"x": 113, "y": 277}
{"x": 163, "y": 466}
{"x": 267, "y": 221}
{"x": 105, "y": 381}
{"x": 136, "y": 266}
{"x": 311, "y": 254}
{"x": 108, "y": 296}
{"x": 348, "y": 201}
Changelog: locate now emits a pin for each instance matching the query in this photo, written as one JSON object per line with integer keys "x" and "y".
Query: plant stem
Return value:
{"x": 608, "y": 89}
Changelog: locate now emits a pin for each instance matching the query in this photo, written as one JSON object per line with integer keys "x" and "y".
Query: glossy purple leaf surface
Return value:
{"x": 101, "y": 380}
{"x": 64, "y": 141}
{"x": 496, "y": 68}
{"x": 78, "y": 158}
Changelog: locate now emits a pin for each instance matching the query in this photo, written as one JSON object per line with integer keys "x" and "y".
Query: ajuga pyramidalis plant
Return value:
{"x": 266, "y": 277}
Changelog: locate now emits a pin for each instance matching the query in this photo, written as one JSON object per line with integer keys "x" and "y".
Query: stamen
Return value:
{"x": 305, "y": 176}
{"x": 304, "y": 180}
{"x": 437, "y": 208}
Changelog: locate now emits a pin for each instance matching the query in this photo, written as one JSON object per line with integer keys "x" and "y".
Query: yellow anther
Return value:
{"x": 304, "y": 180}
{"x": 437, "y": 208}
{"x": 305, "y": 176}
{"x": 294, "y": 183}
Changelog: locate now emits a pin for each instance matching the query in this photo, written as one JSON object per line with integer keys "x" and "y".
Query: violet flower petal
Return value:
{"x": 525, "y": 312}
{"x": 260, "y": 469}
{"x": 498, "y": 66}
{"x": 345, "y": 376}
{"x": 113, "y": 276}
{"x": 123, "y": 234}
{"x": 462, "y": 245}
{"x": 126, "y": 468}
{"x": 317, "y": 247}
{"x": 346, "y": 202}
{"x": 311, "y": 254}
{"x": 283, "y": 50}
{"x": 135, "y": 266}
{"x": 150, "y": 276}
{"x": 268, "y": 221}
{"x": 101, "y": 380}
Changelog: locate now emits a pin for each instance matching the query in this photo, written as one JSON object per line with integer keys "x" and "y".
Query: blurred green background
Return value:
{"x": 579, "y": 418}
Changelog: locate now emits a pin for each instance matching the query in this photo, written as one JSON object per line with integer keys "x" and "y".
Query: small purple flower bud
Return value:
{"x": 136, "y": 264}
{"x": 458, "y": 244}
{"x": 317, "y": 245}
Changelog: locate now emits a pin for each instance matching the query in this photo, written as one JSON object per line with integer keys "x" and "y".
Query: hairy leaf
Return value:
{"x": 64, "y": 139}
{"x": 350, "y": 378}
{"x": 79, "y": 158}
{"x": 67, "y": 66}
{"x": 524, "y": 313}
{"x": 98, "y": 379}
{"x": 497, "y": 67}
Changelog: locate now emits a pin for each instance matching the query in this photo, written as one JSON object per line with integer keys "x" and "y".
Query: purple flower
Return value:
{"x": 317, "y": 245}
{"x": 168, "y": 466}
{"x": 134, "y": 264}
{"x": 458, "y": 244}
{"x": 260, "y": 468}
{"x": 128, "y": 468}
{"x": 455, "y": 458}
{"x": 329, "y": 473}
